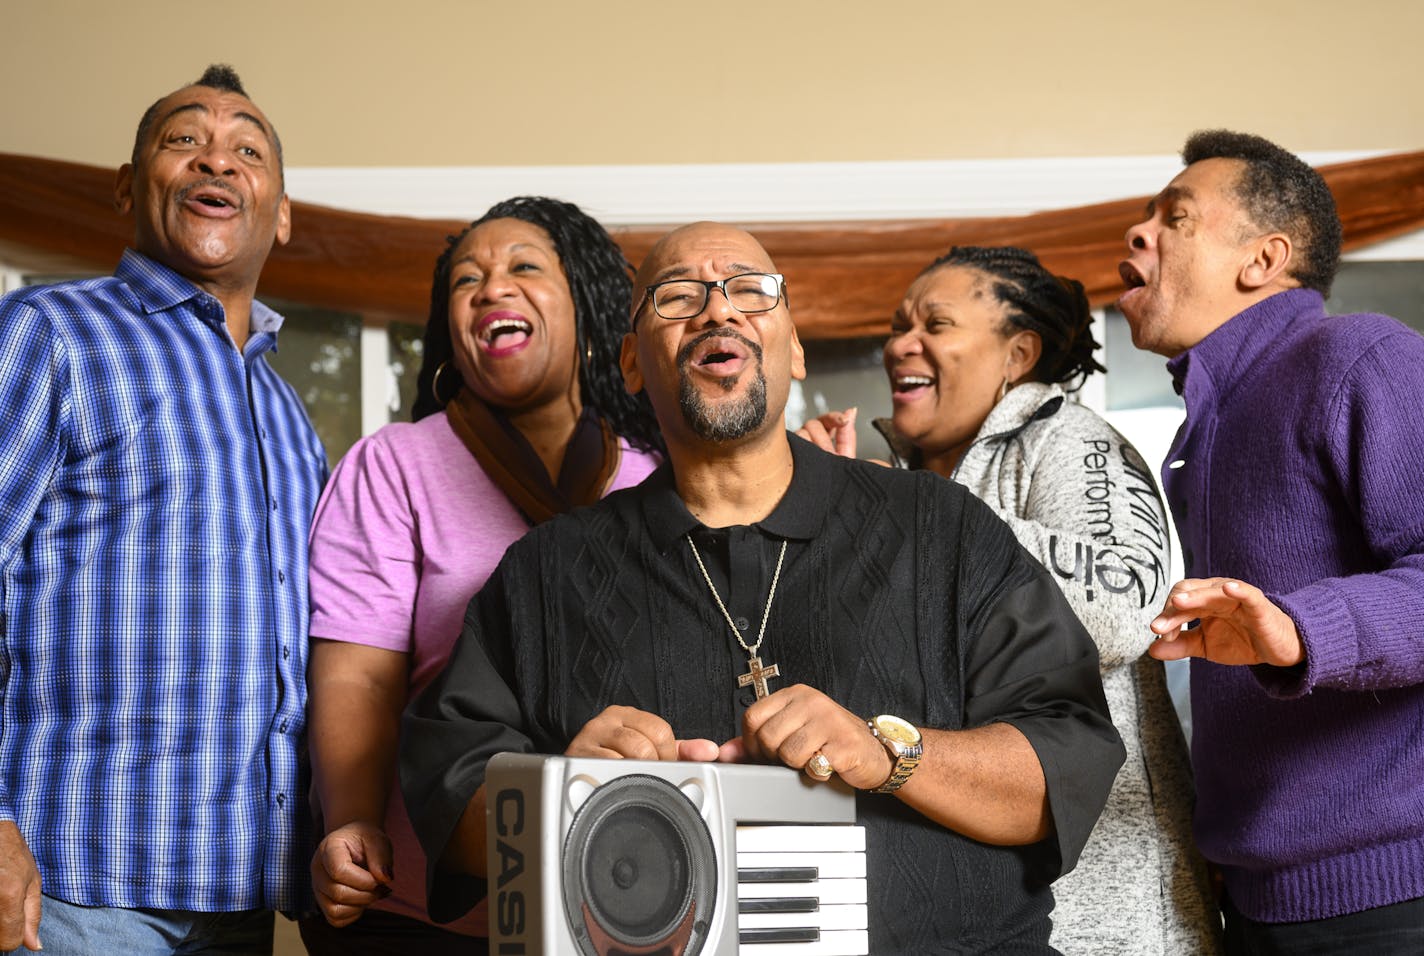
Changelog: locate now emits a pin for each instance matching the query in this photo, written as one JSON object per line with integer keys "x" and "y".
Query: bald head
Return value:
{"x": 720, "y": 375}
{"x": 678, "y": 255}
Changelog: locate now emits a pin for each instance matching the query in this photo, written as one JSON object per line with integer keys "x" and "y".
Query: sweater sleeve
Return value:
{"x": 1361, "y": 631}
{"x": 1093, "y": 517}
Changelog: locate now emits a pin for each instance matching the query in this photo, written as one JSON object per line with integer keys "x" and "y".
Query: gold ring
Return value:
{"x": 819, "y": 767}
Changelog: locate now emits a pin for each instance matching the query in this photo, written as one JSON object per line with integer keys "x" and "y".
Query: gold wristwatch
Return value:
{"x": 905, "y": 745}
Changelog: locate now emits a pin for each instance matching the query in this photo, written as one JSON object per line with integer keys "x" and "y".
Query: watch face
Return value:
{"x": 900, "y": 731}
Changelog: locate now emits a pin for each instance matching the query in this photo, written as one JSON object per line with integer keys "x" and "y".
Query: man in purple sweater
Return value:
{"x": 1296, "y": 487}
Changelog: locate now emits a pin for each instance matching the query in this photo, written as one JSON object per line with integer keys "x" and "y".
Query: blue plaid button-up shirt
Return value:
{"x": 156, "y": 486}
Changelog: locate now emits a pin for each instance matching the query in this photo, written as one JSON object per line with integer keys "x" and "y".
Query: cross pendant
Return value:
{"x": 756, "y": 676}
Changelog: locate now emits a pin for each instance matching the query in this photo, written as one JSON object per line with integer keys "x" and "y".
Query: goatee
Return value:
{"x": 723, "y": 421}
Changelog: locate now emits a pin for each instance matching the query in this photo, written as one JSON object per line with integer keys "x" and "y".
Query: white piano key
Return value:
{"x": 831, "y": 865}
{"x": 835, "y": 916}
{"x": 836, "y": 942}
{"x": 831, "y": 837}
{"x": 827, "y": 891}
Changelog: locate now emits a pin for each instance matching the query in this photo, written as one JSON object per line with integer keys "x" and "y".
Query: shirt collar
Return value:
{"x": 1228, "y": 354}
{"x": 799, "y": 515}
{"x": 158, "y": 289}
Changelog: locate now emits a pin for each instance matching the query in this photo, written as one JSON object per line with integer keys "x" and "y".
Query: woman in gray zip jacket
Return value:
{"x": 982, "y": 353}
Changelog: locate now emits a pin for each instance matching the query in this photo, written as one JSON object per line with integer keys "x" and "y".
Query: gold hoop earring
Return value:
{"x": 435, "y": 382}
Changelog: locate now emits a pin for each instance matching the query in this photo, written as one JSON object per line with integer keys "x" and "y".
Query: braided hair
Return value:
{"x": 601, "y": 286}
{"x": 1036, "y": 300}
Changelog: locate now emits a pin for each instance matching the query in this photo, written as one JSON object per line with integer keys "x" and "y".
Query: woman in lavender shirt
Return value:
{"x": 521, "y": 415}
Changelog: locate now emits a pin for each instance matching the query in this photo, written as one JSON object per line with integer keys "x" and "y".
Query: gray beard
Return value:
{"x": 725, "y": 421}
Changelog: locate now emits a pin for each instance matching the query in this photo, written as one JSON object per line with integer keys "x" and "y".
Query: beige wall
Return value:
{"x": 476, "y": 82}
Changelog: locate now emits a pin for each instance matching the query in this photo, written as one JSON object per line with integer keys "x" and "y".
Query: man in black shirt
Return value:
{"x": 755, "y": 599}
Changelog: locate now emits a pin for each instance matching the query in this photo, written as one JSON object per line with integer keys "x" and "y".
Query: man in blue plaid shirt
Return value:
{"x": 156, "y": 483}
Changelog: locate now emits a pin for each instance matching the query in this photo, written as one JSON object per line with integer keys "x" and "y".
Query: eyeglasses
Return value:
{"x": 749, "y": 293}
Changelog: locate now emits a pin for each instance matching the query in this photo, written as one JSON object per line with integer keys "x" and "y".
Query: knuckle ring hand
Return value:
{"x": 819, "y": 767}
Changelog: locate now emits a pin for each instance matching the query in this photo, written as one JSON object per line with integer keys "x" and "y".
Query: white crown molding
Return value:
{"x": 1399, "y": 249}
{"x": 753, "y": 192}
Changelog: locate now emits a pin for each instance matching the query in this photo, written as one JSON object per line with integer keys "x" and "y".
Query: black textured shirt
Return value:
{"x": 901, "y": 593}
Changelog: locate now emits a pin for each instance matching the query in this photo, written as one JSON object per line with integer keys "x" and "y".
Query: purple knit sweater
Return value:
{"x": 1300, "y": 469}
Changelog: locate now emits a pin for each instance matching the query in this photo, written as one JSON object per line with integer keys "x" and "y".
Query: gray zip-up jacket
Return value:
{"x": 1081, "y": 499}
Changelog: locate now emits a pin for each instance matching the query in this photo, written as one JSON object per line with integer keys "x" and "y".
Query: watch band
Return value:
{"x": 906, "y": 757}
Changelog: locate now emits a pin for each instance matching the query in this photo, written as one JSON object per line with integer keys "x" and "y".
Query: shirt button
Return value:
{"x": 264, "y": 433}
{"x": 283, "y": 728}
{"x": 281, "y": 577}
{"x": 286, "y": 652}
{"x": 743, "y": 624}
{"x": 274, "y": 504}
{"x": 281, "y": 799}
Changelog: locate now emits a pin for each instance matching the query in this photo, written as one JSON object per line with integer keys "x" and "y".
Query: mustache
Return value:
{"x": 210, "y": 182}
{"x": 684, "y": 354}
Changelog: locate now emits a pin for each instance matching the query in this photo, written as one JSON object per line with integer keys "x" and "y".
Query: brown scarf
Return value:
{"x": 590, "y": 460}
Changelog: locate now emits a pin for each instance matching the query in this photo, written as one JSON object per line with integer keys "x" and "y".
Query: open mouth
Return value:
{"x": 909, "y": 387}
{"x": 1130, "y": 276}
{"x": 719, "y": 358}
{"x": 718, "y": 353}
{"x": 210, "y": 195}
{"x": 909, "y": 383}
{"x": 505, "y": 332}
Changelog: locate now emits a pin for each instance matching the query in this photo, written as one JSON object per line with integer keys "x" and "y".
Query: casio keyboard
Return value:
{"x": 591, "y": 857}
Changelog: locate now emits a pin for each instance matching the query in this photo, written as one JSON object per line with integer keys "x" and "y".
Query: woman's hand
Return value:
{"x": 350, "y": 870}
{"x": 833, "y": 432}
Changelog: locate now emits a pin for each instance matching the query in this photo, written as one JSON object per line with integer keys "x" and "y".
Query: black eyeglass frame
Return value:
{"x": 709, "y": 285}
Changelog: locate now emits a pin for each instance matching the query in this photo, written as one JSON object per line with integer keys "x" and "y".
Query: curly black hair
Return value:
{"x": 218, "y": 76}
{"x": 1280, "y": 192}
{"x": 1035, "y": 299}
{"x": 601, "y": 285}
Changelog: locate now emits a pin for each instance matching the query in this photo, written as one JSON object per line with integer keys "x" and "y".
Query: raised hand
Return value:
{"x": 1239, "y": 625}
{"x": 834, "y": 432}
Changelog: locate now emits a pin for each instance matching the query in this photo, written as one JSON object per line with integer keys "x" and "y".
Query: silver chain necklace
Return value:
{"x": 756, "y": 675}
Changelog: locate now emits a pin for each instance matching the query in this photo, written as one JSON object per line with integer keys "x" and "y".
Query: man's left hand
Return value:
{"x": 1239, "y": 625}
{"x": 794, "y": 724}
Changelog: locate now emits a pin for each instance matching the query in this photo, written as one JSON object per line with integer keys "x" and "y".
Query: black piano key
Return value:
{"x": 778, "y": 874}
{"x": 788, "y": 934}
{"x": 780, "y": 904}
